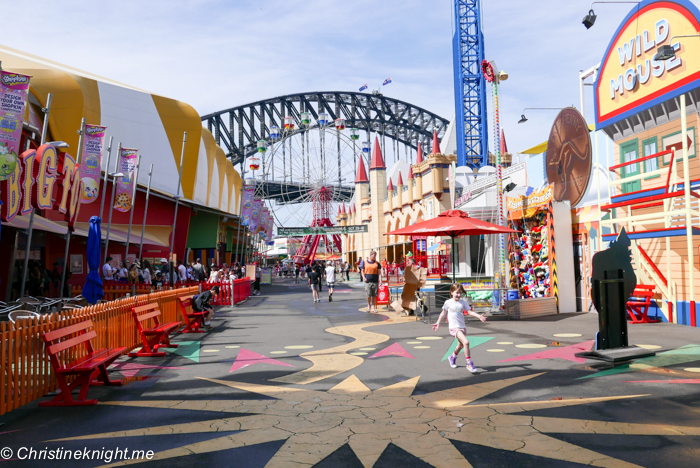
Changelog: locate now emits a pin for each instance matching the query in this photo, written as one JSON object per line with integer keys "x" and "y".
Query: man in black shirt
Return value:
{"x": 202, "y": 302}
{"x": 314, "y": 277}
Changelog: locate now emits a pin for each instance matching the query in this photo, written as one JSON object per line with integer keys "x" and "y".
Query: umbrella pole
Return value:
{"x": 453, "y": 259}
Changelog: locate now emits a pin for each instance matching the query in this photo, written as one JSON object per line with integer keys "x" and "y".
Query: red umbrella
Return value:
{"x": 451, "y": 223}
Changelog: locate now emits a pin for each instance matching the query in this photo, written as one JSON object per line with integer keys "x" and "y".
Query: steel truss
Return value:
{"x": 238, "y": 129}
{"x": 470, "y": 86}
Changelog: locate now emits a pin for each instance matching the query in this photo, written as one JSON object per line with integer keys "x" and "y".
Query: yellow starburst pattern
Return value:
{"x": 314, "y": 424}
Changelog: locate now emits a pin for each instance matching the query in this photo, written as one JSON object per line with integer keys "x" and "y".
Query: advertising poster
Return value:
{"x": 13, "y": 99}
{"x": 255, "y": 215}
{"x": 125, "y": 186}
{"x": 93, "y": 141}
{"x": 247, "y": 204}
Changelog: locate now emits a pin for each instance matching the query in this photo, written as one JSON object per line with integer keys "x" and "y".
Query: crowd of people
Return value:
{"x": 142, "y": 272}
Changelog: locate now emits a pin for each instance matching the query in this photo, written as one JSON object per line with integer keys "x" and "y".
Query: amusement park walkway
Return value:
{"x": 283, "y": 382}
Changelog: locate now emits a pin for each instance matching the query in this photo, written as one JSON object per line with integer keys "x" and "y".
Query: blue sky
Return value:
{"x": 219, "y": 54}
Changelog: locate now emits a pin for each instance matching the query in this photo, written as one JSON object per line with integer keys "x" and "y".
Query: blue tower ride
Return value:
{"x": 470, "y": 86}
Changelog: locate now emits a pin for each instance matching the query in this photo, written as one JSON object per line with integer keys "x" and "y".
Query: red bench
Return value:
{"x": 154, "y": 337}
{"x": 639, "y": 303}
{"x": 195, "y": 320}
{"x": 87, "y": 368}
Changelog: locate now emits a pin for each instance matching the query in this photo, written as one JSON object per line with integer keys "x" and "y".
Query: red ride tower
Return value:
{"x": 321, "y": 199}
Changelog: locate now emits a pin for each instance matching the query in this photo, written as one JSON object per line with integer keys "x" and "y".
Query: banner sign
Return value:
{"x": 93, "y": 141}
{"x": 33, "y": 179}
{"x": 630, "y": 79}
{"x": 526, "y": 207}
{"x": 255, "y": 215}
{"x": 125, "y": 185}
{"x": 248, "y": 193}
{"x": 13, "y": 99}
{"x": 305, "y": 231}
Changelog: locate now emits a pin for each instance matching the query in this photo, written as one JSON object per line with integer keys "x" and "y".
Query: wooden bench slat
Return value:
{"x": 162, "y": 328}
{"x": 96, "y": 360}
{"x": 147, "y": 316}
{"x": 69, "y": 343}
{"x": 145, "y": 308}
{"x": 65, "y": 331}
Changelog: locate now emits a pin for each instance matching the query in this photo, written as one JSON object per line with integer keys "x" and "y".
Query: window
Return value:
{"x": 629, "y": 152}
{"x": 477, "y": 255}
{"x": 649, "y": 147}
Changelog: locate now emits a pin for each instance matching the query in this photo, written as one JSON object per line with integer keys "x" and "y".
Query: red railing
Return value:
{"x": 230, "y": 294}
{"x": 436, "y": 264}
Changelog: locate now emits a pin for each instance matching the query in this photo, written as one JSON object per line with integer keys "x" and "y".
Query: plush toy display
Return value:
{"x": 529, "y": 256}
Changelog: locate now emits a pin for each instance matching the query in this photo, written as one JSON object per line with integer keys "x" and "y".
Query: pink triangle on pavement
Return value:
{"x": 567, "y": 353}
{"x": 393, "y": 350}
{"x": 130, "y": 369}
{"x": 247, "y": 358}
{"x": 687, "y": 381}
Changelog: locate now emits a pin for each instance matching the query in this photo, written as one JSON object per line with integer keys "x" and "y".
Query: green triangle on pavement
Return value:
{"x": 687, "y": 353}
{"x": 187, "y": 349}
{"x": 474, "y": 341}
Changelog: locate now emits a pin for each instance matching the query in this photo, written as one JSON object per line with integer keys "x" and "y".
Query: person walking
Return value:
{"x": 347, "y": 271}
{"x": 330, "y": 280}
{"x": 147, "y": 273}
{"x": 454, "y": 308}
{"x": 256, "y": 283}
{"x": 198, "y": 271}
{"x": 314, "y": 278}
{"x": 297, "y": 270}
{"x": 371, "y": 275}
{"x": 319, "y": 270}
{"x": 181, "y": 272}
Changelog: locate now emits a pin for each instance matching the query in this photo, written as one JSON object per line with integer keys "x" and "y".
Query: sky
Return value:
{"x": 216, "y": 54}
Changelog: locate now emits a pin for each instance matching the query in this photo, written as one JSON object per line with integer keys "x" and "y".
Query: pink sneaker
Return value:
{"x": 470, "y": 366}
{"x": 452, "y": 359}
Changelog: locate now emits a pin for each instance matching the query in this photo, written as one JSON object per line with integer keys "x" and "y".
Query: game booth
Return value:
{"x": 540, "y": 256}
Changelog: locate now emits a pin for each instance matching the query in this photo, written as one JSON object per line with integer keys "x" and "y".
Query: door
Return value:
{"x": 628, "y": 152}
{"x": 578, "y": 277}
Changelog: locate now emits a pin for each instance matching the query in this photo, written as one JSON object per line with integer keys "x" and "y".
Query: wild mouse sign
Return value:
{"x": 43, "y": 179}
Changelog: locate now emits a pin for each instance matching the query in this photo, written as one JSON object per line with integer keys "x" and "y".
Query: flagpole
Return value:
{"x": 177, "y": 203}
{"x": 68, "y": 234}
{"x": 111, "y": 201}
{"x": 30, "y": 228}
{"x": 133, "y": 205}
{"x": 104, "y": 184}
{"x": 145, "y": 210}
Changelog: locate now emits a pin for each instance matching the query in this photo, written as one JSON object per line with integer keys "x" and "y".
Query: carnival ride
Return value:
{"x": 300, "y": 151}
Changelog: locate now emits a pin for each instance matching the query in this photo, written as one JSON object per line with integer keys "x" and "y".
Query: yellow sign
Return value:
{"x": 526, "y": 207}
{"x": 629, "y": 79}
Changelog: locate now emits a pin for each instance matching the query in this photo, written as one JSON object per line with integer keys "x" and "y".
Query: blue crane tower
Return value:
{"x": 470, "y": 86}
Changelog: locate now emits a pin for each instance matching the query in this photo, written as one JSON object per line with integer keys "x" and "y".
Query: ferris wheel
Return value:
{"x": 297, "y": 162}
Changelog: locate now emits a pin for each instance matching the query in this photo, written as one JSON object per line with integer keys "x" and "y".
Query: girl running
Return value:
{"x": 454, "y": 308}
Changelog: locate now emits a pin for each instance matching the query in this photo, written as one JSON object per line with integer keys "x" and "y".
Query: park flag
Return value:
{"x": 255, "y": 215}
{"x": 248, "y": 193}
{"x": 93, "y": 141}
{"x": 386, "y": 82}
{"x": 363, "y": 87}
{"x": 125, "y": 185}
{"x": 13, "y": 99}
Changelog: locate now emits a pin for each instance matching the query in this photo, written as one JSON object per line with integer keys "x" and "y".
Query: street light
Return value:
{"x": 589, "y": 19}
{"x": 668, "y": 51}
{"x": 523, "y": 119}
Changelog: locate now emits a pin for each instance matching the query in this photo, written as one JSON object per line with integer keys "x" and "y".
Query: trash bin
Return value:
{"x": 513, "y": 295}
